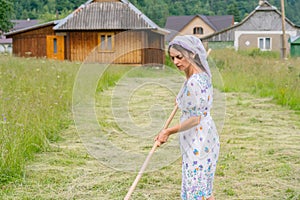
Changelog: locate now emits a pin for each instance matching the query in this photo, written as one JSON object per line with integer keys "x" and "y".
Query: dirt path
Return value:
{"x": 259, "y": 160}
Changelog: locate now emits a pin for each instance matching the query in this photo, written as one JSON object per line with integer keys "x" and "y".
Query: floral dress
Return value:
{"x": 200, "y": 144}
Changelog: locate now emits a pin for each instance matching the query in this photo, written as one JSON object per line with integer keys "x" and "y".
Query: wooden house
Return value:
{"x": 262, "y": 29}
{"x": 102, "y": 31}
{"x": 198, "y": 25}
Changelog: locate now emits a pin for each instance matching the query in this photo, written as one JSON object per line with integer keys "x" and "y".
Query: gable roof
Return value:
{"x": 114, "y": 15}
{"x": 217, "y": 23}
{"x": 264, "y": 6}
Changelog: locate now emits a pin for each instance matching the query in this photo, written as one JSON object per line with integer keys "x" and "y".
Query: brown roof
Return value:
{"x": 120, "y": 15}
{"x": 220, "y": 22}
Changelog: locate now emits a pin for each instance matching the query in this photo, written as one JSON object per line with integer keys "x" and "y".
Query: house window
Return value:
{"x": 106, "y": 42}
{"x": 198, "y": 30}
{"x": 264, "y": 44}
{"x": 54, "y": 45}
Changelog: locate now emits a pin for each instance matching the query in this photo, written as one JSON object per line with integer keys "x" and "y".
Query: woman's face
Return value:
{"x": 181, "y": 62}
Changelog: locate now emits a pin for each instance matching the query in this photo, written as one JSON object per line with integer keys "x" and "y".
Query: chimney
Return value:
{"x": 261, "y": 2}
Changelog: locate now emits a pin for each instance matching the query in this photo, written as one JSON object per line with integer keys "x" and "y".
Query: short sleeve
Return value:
{"x": 197, "y": 95}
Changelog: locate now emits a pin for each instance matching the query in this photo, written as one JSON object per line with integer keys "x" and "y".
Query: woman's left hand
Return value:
{"x": 162, "y": 137}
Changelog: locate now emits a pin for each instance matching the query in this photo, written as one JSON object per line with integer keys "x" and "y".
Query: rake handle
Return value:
{"x": 155, "y": 145}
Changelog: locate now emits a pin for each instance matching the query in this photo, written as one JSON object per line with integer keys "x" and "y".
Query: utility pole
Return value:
{"x": 57, "y": 14}
{"x": 284, "y": 49}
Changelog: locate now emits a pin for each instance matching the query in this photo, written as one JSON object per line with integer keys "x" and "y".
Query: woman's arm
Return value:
{"x": 163, "y": 136}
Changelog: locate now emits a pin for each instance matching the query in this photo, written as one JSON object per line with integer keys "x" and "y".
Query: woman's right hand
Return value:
{"x": 162, "y": 137}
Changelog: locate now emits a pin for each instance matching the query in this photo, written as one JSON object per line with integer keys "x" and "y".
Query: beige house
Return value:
{"x": 198, "y": 25}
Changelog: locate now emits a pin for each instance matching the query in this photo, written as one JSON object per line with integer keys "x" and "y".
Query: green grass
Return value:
{"x": 260, "y": 73}
{"x": 110, "y": 76}
{"x": 259, "y": 156}
{"x": 35, "y": 96}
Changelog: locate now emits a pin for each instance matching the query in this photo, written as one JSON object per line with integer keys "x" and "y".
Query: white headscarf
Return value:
{"x": 194, "y": 45}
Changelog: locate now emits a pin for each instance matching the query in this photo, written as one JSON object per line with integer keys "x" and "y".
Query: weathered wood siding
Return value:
{"x": 32, "y": 43}
{"x": 265, "y": 21}
{"x": 130, "y": 47}
{"x": 83, "y": 46}
{"x": 154, "y": 52}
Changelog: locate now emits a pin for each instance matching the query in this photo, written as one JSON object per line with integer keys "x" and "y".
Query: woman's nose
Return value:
{"x": 176, "y": 60}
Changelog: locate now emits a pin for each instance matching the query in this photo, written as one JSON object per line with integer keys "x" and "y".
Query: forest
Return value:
{"x": 156, "y": 10}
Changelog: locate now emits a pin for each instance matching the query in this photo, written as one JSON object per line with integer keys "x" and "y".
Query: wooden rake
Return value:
{"x": 155, "y": 145}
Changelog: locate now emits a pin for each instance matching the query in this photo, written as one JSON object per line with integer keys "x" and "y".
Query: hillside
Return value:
{"x": 157, "y": 10}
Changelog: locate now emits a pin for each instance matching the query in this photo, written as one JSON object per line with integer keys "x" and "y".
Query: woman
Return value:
{"x": 199, "y": 141}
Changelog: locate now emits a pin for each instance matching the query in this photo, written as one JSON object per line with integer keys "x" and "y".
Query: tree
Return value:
{"x": 157, "y": 11}
{"x": 6, "y": 10}
{"x": 232, "y": 9}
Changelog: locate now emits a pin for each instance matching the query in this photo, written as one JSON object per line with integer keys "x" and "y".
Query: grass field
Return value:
{"x": 262, "y": 74}
{"x": 43, "y": 157}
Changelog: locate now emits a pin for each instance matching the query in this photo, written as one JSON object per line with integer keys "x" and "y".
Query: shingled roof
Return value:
{"x": 121, "y": 15}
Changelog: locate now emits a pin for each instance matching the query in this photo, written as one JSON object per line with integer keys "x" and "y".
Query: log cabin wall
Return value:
{"x": 127, "y": 47}
{"x": 154, "y": 53}
{"x": 32, "y": 43}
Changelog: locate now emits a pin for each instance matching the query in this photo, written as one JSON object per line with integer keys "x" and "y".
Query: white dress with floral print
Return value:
{"x": 200, "y": 144}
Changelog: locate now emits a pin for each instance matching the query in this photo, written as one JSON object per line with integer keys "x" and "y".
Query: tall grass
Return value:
{"x": 35, "y": 96}
{"x": 260, "y": 73}
{"x": 111, "y": 75}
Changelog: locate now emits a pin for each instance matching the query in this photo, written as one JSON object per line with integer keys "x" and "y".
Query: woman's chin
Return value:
{"x": 180, "y": 68}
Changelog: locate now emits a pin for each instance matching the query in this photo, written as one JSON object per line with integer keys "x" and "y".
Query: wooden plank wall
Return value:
{"x": 154, "y": 53}
{"x": 32, "y": 43}
{"x": 127, "y": 47}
